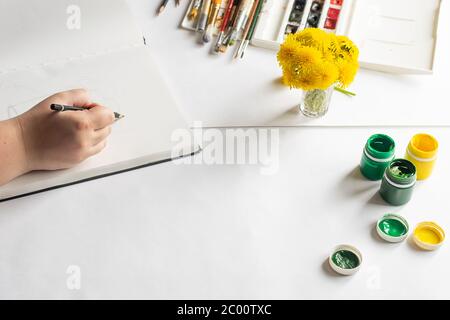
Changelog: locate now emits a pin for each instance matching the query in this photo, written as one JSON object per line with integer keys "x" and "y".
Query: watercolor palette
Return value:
{"x": 393, "y": 36}
{"x": 280, "y": 18}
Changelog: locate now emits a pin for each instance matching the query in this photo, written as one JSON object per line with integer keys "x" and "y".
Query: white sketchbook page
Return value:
{"x": 129, "y": 82}
{"x": 35, "y": 32}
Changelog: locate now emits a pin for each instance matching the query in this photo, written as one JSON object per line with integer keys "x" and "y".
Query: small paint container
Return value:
{"x": 429, "y": 236}
{"x": 330, "y": 24}
{"x": 393, "y": 228}
{"x": 315, "y": 13}
{"x": 377, "y": 154}
{"x": 345, "y": 260}
{"x": 398, "y": 182}
{"x": 422, "y": 151}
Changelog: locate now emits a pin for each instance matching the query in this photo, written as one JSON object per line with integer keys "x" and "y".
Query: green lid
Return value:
{"x": 392, "y": 228}
{"x": 345, "y": 259}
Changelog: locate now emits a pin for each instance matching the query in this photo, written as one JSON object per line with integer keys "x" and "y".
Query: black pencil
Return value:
{"x": 62, "y": 108}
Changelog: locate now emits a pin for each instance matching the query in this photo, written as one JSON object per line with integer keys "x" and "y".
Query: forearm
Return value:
{"x": 13, "y": 162}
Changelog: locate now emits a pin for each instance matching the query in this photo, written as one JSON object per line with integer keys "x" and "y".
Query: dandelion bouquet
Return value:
{"x": 318, "y": 62}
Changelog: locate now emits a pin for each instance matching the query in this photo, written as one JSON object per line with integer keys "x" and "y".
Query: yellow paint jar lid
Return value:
{"x": 423, "y": 146}
{"x": 429, "y": 235}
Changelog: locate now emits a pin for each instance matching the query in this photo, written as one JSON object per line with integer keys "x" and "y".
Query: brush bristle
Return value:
{"x": 223, "y": 49}
{"x": 206, "y": 38}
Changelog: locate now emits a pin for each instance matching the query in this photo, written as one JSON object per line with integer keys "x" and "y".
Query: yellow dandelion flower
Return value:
{"x": 333, "y": 48}
{"x": 291, "y": 53}
{"x": 347, "y": 73}
{"x": 314, "y": 59}
{"x": 348, "y": 50}
{"x": 288, "y": 51}
{"x": 329, "y": 73}
{"x": 312, "y": 37}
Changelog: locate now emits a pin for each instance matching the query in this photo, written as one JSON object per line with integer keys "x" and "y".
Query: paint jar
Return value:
{"x": 429, "y": 235}
{"x": 345, "y": 259}
{"x": 398, "y": 182}
{"x": 378, "y": 153}
{"x": 392, "y": 228}
{"x": 422, "y": 151}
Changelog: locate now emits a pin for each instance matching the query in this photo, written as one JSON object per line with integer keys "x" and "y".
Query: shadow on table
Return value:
{"x": 326, "y": 268}
{"x": 415, "y": 248}
{"x": 354, "y": 183}
{"x": 377, "y": 200}
{"x": 290, "y": 117}
{"x": 374, "y": 234}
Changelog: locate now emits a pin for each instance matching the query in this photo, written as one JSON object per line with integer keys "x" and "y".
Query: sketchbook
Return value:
{"x": 50, "y": 46}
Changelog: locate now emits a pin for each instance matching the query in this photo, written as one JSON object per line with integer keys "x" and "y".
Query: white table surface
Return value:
{"x": 227, "y": 231}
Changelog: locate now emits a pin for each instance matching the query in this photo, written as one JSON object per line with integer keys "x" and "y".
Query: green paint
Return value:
{"x": 393, "y": 227}
{"x": 381, "y": 147}
{"x": 402, "y": 171}
{"x": 345, "y": 259}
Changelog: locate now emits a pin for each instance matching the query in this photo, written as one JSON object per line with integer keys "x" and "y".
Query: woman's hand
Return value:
{"x": 42, "y": 139}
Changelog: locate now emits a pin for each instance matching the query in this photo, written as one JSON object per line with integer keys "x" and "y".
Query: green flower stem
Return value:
{"x": 348, "y": 93}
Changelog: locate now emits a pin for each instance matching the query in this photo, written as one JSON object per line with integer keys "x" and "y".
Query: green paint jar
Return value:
{"x": 378, "y": 153}
{"x": 398, "y": 182}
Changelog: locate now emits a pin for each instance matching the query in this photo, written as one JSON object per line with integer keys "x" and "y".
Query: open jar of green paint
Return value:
{"x": 398, "y": 182}
{"x": 377, "y": 154}
{"x": 345, "y": 259}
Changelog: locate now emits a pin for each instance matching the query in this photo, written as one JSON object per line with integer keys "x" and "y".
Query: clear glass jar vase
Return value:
{"x": 315, "y": 102}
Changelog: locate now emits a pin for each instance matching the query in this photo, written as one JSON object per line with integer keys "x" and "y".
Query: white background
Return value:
{"x": 226, "y": 231}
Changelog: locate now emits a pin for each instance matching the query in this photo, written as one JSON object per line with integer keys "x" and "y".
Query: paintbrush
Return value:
{"x": 212, "y": 20}
{"x": 251, "y": 29}
{"x": 247, "y": 28}
{"x": 241, "y": 19}
{"x": 204, "y": 13}
{"x": 229, "y": 26}
{"x": 193, "y": 14}
{"x": 163, "y": 6}
{"x": 224, "y": 25}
